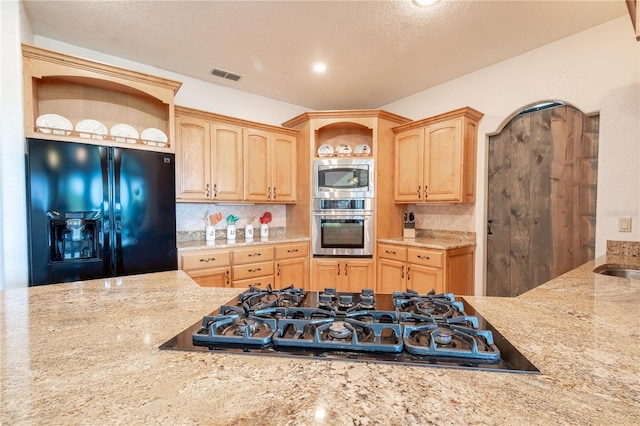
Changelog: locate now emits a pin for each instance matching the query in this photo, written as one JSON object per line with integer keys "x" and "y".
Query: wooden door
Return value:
{"x": 215, "y": 277}
{"x": 357, "y": 275}
{"x": 391, "y": 275}
{"x": 443, "y": 161}
{"x": 227, "y": 164}
{"x": 541, "y": 198}
{"x": 325, "y": 274}
{"x": 257, "y": 168}
{"x": 409, "y": 164}
{"x": 284, "y": 168}
{"x": 292, "y": 272}
{"x": 193, "y": 171}
{"x": 423, "y": 279}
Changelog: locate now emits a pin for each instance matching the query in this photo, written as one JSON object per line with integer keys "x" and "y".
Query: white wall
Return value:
{"x": 13, "y": 241}
{"x": 598, "y": 72}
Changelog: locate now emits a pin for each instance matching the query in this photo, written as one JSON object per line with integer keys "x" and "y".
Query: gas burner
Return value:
{"x": 257, "y": 298}
{"x": 450, "y": 341}
{"x": 234, "y": 329}
{"x": 339, "y": 330}
{"x": 438, "y": 306}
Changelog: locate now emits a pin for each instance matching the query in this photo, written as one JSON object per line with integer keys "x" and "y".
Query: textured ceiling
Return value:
{"x": 377, "y": 51}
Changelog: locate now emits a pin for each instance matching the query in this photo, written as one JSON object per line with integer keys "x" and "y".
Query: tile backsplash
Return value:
{"x": 190, "y": 217}
{"x": 446, "y": 217}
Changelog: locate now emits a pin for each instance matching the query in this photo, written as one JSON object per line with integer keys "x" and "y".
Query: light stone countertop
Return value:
{"x": 87, "y": 353}
{"x": 433, "y": 243}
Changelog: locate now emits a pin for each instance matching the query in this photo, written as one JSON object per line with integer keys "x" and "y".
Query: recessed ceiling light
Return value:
{"x": 424, "y": 3}
{"x": 319, "y": 67}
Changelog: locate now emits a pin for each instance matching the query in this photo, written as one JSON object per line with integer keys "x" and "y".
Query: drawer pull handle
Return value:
{"x": 292, "y": 251}
{"x": 255, "y": 270}
{"x": 390, "y": 251}
{"x": 255, "y": 254}
{"x": 402, "y": 273}
{"x": 209, "y": 259}
{"x": 408, "y": 273}
{"x": 424, "y": 257}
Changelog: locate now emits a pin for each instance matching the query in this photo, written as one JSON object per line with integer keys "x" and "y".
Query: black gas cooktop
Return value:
{"x": 409, "y": 328}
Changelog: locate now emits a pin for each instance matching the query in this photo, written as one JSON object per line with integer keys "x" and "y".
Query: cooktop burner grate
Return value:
{"x": 403, "y": 327}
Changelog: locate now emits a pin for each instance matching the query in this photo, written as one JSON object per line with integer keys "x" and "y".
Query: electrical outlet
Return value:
{"x": 624, "y": 224}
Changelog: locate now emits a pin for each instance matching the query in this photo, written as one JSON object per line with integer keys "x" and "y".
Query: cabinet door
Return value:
{"x": 325, "y": 274}
{"x": 257, "y": 167}
{"x": 409, "y": 149}
{"x": 356, "y": 275}
{"x": 443, "y": 156}
{"x": 216, "y": 277}
{"x": 193, "y": 171}
{"x": 292, "y": 272}
{"x": 391, "y": 276}
{"x": 423, "y": 279}
{"x": 226, "y": 147}
{"x": 284, "y": 168}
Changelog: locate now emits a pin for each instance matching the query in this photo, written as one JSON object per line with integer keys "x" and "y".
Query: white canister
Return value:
{"x": 264, "y": 231}
{"x": 231, "y": 232}
{"x": 248, "y": 232}
{"x": 210, "y": 233}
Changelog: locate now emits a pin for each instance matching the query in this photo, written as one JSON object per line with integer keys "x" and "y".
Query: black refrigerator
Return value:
{"x": 98, "y": 211}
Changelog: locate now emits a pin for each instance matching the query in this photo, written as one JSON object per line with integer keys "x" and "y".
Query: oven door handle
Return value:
{"x": 350, "y": 215}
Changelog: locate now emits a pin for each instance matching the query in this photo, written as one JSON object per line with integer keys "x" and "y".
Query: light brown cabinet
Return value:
{"x": 343, "y": 274}
{"x": 270, "y": 166}
{"x": 79, "y": 89}
{"x": 209, "y": 268}
{"x": 208, "y": 159}
{"x": 292, "y": 265}
{"x": 435, "y": 158}
{"x": 403, "y": 267}
{"x": 222, "y": 159}
{"x": 275, "y": 265}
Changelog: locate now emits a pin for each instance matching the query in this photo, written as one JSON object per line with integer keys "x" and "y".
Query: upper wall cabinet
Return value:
{"x": 435, "y": 158}
{"x": 269, "y": 166}
{"x": 74, "y": 99}
{"x": 221, "y": 158}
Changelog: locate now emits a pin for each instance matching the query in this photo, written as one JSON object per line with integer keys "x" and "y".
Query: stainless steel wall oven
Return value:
{"x": 342, "y": 228}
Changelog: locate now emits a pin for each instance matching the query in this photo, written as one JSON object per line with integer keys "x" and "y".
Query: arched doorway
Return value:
{"x": 541, "y": 197}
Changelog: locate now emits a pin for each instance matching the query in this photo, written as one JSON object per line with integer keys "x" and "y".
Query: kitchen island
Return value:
{"x": 87, "y": 353}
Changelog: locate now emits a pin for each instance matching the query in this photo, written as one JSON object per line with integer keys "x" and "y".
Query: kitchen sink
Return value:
{"x": 616, "y": 271}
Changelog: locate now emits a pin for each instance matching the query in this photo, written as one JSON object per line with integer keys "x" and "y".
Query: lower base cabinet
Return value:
{"x": 278, "y": 266}
{"x": 403, "y": 267}
{"x": 343, "y": 274}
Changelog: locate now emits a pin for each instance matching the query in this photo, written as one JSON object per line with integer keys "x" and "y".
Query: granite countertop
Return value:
{"x": 87, "y": 353}
{"x": 201, "y": 244}
{"x": 433, "y": 243}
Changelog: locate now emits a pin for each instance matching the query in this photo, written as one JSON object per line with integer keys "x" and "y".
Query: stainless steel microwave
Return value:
{"x": 343, "y": 178}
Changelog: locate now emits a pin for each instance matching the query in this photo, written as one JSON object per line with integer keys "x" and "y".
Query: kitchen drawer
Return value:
{"x": 204, "y": 259}
{"x": 289, "y": 251}
{"x": 252, "y": 255}
{"x": 434, "y": 258}
{"x": 392, "y": 252}
{"x": 241, "y": 272}
{"x": 261, "y": 282}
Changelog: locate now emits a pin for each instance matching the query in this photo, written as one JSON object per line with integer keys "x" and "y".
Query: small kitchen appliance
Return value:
{"x": 343, "y": 178}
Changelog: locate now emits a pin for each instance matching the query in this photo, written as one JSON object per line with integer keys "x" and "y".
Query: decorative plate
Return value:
{"x": 343, "y": 149}
{"x": 153, "y": 136}
{"x": 362, "y": 150}
{"x": 91, "y": 129}
{"x": 124, "y": 133}
{"x": 54, "y": 123}
{"x": 325, "y": 150}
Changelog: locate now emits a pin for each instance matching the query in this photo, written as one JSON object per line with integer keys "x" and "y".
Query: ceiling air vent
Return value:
{"x": 225, "y": 74}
